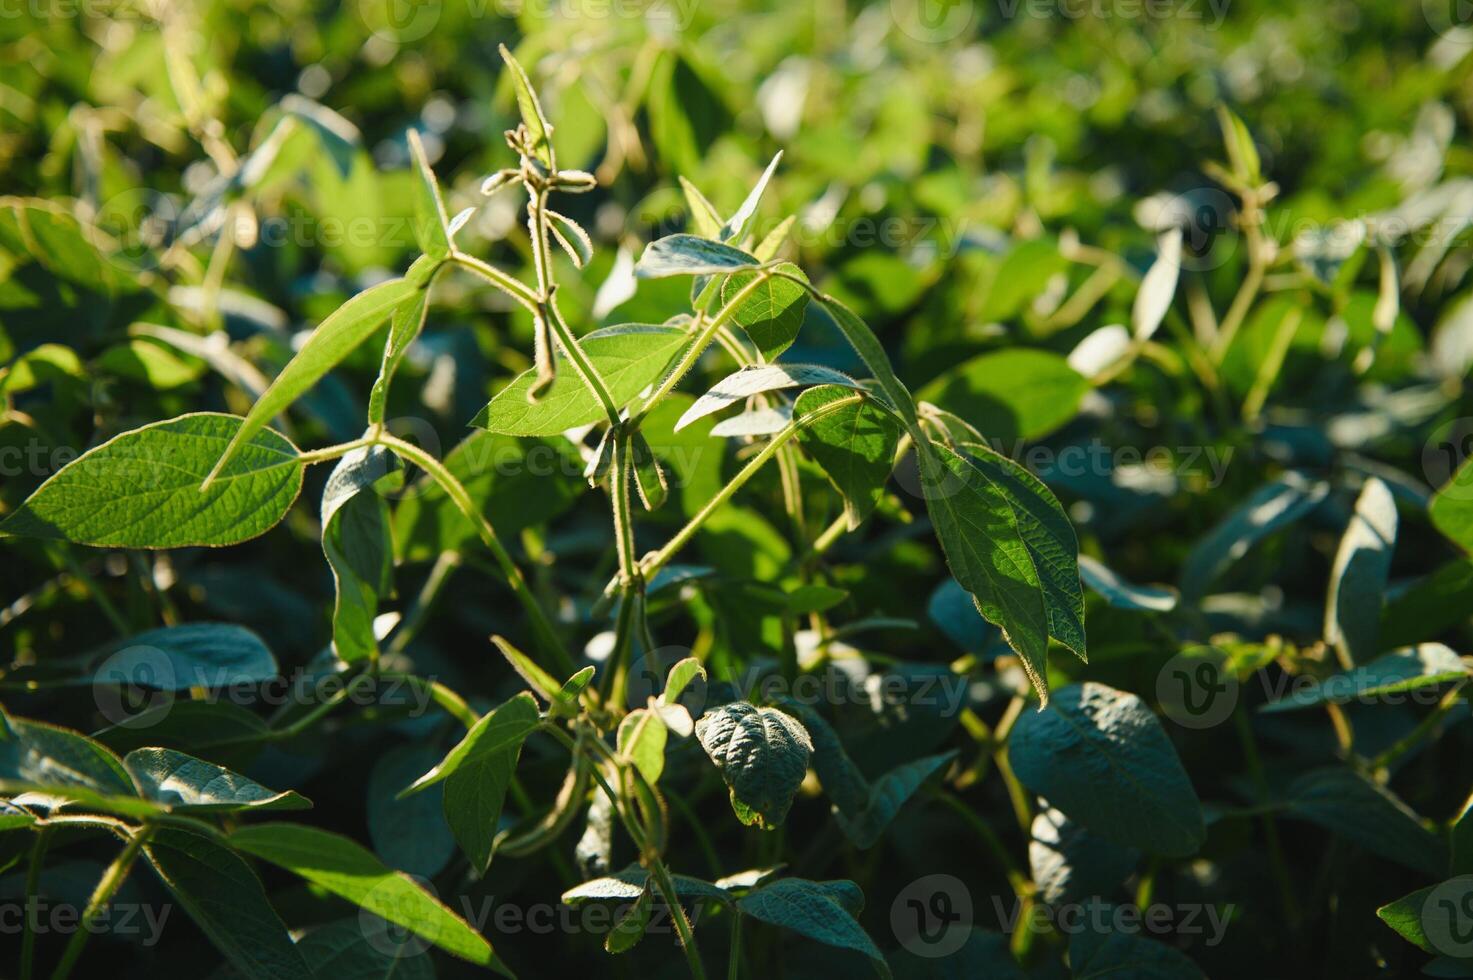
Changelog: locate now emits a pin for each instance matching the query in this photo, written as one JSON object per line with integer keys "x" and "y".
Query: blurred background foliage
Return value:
{"x": 196, "y": 184}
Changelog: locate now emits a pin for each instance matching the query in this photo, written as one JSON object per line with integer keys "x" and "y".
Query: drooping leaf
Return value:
{"x": 772, "y": 313}
{"x": 629, "y": 930}
{"x": 141, "y": 489}
{"x": 176, "y": 658}
{"x": 1407, "y": 669}
{"x": 334, "y": 339}
{"x": 475, "y": 794}
{"x": 757, "y": 379}
{"x": 1272, "y": 506}
{"x": 183, "y": 783}
{"x": 762, "y": 753}
{"x": 225, "y": 899}
{"x": 688, "y": 255}
{"x": 498, "y": 730}
{"x": 355, "y": 539}
{"x": 1358, "y": 576}
{"x": 350, "y": 871}
{"x": 573, "y": 239}
{"x": 1368, "y": 815}
{"x": 629, "y": 357}
{"x": 855, "y": 445}
{"x": 1101, "y": 757}
{"x": 810, "y": 909}
{"x": 886, "y": 796}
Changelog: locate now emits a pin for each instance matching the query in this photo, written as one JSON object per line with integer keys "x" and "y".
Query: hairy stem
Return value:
{"x": 112, "y": 880}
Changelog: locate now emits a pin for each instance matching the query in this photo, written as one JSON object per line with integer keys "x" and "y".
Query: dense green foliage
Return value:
{"x": 697, "y": 495}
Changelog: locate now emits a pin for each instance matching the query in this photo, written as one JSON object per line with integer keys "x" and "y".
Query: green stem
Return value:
{"x": 1270, "y": 829}
{"x": 666, "y": 886}
{"x": 734, "y": 965}
{"x": 513, "y": 287}
{"x": 112, "y": 880}
{"x": 33, "y": 882}
{"x": 457, "y": 493}
{"x": 1424, "y": 728}
{"x": 440, "y": 573}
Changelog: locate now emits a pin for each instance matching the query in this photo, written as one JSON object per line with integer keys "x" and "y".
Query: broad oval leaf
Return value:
{"x": 355, "y": 949}
{"x": 855, "y": 444}
{"x": 34, "y": 754}
{"x": 225, "y": 899}
{"x": 350, "y": 871}
{"x": 334, "y": 339}
{"x": 176, "y": 658}
{"x": 1358, "y": 576}
{"x": 186, "y": 784}
{"x": 410, "y": 834}
{"x": 772, "y": 314}
{"x": 1423, "y": 665}
{"x": 1069, "y": 864}
{"x": 1101, "y": 757}
{"x": 141, "y": 489}
{"x": 762, "y": 754}
{"x": 757, "y": 379}
{"x": 630, "y": 357}
{"x": 641, "y": 740}
{"x": 689, "y": 255}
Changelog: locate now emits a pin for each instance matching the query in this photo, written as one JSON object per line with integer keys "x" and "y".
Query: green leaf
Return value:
{"x": 641, "y": 740}
{"x": 431, "y": 225}
{"x": 688, "y": 255}
{"x": 1242, "y": 154}
{"x": 755, "y": 380}
{"x": 1011, "y": 394}
{"x": 225, "y": 899}
{"x": 571, "y": 236}
{"x": 186, "y": 784}
{"x": 627, "y": 885}
{"x": 888, "y": 794}
{"x": 538, "y": 131}
{"x": 762, "y": 754}
{"x": 1122, "y": 594}
{"x": 1100, "y": 756}
{"x": 1451, "y": 508}
{"x": 1408, "y": 914}
{"x": 811, "y": 909}
{"x": 1158, "y": 286}
{"x": 355, "y": 539}
{"x": 147, "y": 362}
{"x": 1407, "y": 669}
{"x": 348, "y": 870}
{"x": 565, "y": 702}
{"x": 1434, "y": 919}
{"x": 539, "y": 680}
{"x": 334, "y": 339}
{"x": 854, "y": 444}
{"x": 219, "y": 731}
{"x": 680, "y": 677}
{"x": 475, "y": 794}
{"x": 629, "y": 930}
{"x": 176, "y": 658}
{"x": 980, "y": 534}
{"x": 872, "y": 353}
{"x": 649, "y": 474}
{"x": 1272, "y": 506}
{"x": 814, "y": 598}
{"x": 48, "y": 757}
{"x": 499, "y": 730}
{"x": 516, "y": 484}
{"x": 736, "y": 226}
{"x": 1368, "y": 815}
{"x": 141, "y": 489}
{"x": 405, "y": 324}
{"x": 1115, "y": 954}
{"x": 352, "y": 949}
{"x": 1358, "y": 576}
{"x": 1069, "y": 864}
{"x": 630, "y": 357}
{"x": 701, "y": 211}
{"x": 410, "y": 834}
